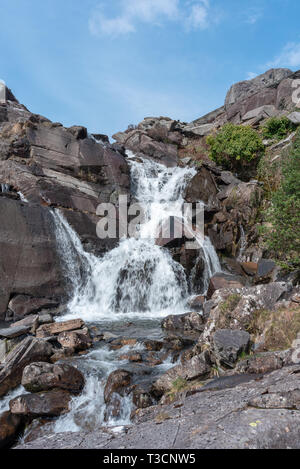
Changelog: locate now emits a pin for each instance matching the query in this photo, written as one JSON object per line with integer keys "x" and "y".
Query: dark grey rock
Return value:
{"x": 229, "y": 344}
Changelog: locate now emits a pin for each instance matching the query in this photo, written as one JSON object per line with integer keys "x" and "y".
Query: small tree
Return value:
{"x": 278, "y": 128}
{"x": 235, "y": 146}
{"x": 283, "y": 235}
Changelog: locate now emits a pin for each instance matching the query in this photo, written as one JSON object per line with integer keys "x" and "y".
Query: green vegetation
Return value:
{"x": 230, "y": 303}
{"x": 235, "y": 146}
{"x": 179, "y": 384}
{"x": 278, "y": 128}
{"x": 282, "y": 232}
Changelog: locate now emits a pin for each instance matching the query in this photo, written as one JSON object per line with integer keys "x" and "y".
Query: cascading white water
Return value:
{"x": 138, "y": 279}
{"x": 137, "y": 276}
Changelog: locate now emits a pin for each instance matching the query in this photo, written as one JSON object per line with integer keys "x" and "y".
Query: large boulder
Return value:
{"x": 28, "y": 351}
{"x": 203, "y": 188}
{"x": 45, "y": 404}
{"x": 45, "y": 377}
{"x": 228, "y": 345}
{"x": 75, "y": 340}
{"x": 26, "y": 232}
{"x": 24, "y": 305}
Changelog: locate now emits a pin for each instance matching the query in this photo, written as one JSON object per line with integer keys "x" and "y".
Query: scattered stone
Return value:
{"x": 229, "y": 344}
{"x": 45, "y": 377}
{"x": 56, "y": 328}
{"x": 45, "y": 404}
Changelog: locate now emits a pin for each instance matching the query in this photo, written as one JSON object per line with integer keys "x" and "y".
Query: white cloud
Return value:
{"x": 288, "y": 57}
{"x": 198, "y": 17}
{"x": 193, "y": 14}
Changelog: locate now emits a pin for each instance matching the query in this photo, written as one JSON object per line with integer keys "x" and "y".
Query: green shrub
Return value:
{"x": 234, "y": 146}
{"x": 278, "y": 128}
{"x": 282, "y": 236}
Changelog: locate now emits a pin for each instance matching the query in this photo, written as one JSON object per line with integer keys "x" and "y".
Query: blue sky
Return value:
{"x": 106, "y": 64}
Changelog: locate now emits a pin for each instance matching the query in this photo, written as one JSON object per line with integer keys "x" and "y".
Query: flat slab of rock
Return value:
{"x": 55, "y": 328}
{"x": 214, "y": 419}
{"x": 14, "y": 331}
{"x": 46, "y": 404}
{"x": 45, "y": 377}
{"x": 28, "y": 351}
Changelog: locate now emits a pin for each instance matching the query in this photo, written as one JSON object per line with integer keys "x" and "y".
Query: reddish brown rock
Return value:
{"x": 250, "y": 268}
{"x": 117, "y": 382}
{"x": 219, "y": 281}
{"x": 48, "y": 330}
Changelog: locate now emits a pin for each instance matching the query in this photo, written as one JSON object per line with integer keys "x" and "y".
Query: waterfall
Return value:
{"x": 137, "y": 280}
{"x": 137, "y": 276}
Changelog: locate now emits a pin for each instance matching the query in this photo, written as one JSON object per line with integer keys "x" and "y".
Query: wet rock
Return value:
{"x": 141, "y": 396}
{"x": 132, "y": 357}
{"x": 28, "y": 351}
{"x": 75, "y": 340}
{"x": 117, "y": 382}
{"x": 10, "y": 427}
{"x": 197, "y": 302}
{"x": 45, "y": 404}
{"x": 45, "y": 377}
{"x": 56, "y": 328}
{"x": 228, "y": 345}
{"x": 184, "y": 324}
{"x": 121, "y": 342}
{"x": 219, "y": 281}
{"x": 153, "y": 345}
{"x": 195, "y": 368}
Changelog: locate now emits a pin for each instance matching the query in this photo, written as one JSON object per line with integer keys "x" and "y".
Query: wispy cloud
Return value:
{"x": 288, "y": 57}
{"x": 253, "y": 15}
{"x": 192, "y": 14}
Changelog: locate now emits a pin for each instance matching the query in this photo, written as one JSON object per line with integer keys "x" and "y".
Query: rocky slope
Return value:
{"x": 243, "y": 331}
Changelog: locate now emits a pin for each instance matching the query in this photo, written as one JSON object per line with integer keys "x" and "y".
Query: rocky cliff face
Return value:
{"x": 44, "y": 165}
